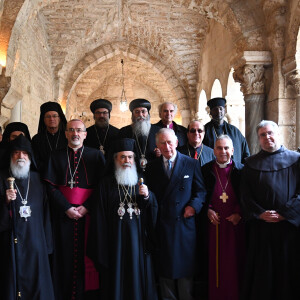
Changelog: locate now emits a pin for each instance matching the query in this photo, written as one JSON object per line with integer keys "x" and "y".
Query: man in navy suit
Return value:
{"x": 178, "y": 185}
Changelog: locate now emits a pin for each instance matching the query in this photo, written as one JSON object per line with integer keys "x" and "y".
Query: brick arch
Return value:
{"x": 102, "y": 54}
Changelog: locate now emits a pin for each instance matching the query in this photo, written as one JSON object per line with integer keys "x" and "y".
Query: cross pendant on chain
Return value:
{"x": 71, "y": 183}
{"x": 224, "y": 197}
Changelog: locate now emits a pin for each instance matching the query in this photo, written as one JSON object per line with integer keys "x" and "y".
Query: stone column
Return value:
{"x": 250, "y": 73}
{"x": 292, "y": 78}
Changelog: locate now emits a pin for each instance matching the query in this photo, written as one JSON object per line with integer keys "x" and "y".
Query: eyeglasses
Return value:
{"x": 268, "y": 133}
{"x": 51, "y": 116}
{"x": 193, "y": 130}
{"x": 78, "y": 130}
{"x": 98, "y": 113}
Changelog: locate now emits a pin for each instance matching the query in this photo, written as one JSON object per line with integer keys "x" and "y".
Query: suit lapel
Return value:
{"x": 176, "y": 174}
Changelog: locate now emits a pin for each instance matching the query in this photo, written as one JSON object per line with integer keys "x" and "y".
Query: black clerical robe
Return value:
{"x": 271, "y": 181}
{"x": 25, "y": 263}
{"x": 179, "y": 130}
{"x": 70, "y": 265}
{"x": 44, "y": 143}
{"x": 121, "y": 247}
{"x": 204, "y": 154}
{"x": 144, "y": 144}
{"x": 241, "y": 150}
{"x": 97, "y": 136}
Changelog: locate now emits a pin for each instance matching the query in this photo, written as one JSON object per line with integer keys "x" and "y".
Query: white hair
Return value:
{"x": 166, "y": 131}
{"x": 265, "y": 123}
{"x": 224, "y": 137}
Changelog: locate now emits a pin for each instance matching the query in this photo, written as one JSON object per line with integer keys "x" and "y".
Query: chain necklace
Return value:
{"x": 224, "y": 196}
{"x": 72, "y": 182}
{"x": 25, "y": 211}
{"x": 216, "y": 132}
{"x": 199, "y": 156}
{"x": 128, "y": 193}
{"x": 56, "y": 140}
{"x": 143, "y": 160}
{"x": 101, "y": 145}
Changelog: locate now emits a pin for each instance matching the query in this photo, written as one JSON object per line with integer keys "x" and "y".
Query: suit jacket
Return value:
{"x": 176, "y": 235}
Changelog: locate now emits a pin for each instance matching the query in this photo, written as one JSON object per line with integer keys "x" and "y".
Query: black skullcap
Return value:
{"x": 15, "y": 126}
{"x": 51, "y": 106}
{"x": 139, "y": 103}
{"x": 216, "y": 102}
{"x": 100, "y": 103}
{"x": 124, "y": 144}
{"x": 21, "y": 143}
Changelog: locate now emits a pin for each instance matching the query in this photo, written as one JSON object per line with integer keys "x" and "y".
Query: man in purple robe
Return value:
{"x": 72, "y": 174}
{"x": 225, "y": 230}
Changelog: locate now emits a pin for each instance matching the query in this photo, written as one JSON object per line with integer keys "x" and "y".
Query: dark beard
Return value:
{"x": 102, "y": 123}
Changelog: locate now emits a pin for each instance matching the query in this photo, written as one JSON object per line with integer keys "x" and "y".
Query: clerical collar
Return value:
{"x": 225, "y": 165}
{"x": 169, "y": 126}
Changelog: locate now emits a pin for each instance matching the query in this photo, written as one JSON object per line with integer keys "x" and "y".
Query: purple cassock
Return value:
{"x": 226, "y": 242}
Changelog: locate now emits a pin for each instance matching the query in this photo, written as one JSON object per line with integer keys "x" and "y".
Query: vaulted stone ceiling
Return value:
{"x": 167, "y": 32}
{"x": 161, "y": 42}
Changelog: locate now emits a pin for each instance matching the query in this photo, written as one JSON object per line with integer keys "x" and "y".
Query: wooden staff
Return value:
{"x": 217, "y": 255}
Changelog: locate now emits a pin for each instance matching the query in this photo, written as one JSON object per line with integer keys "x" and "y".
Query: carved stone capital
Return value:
{"x": 293, "y": 80}
{"x": 251, "y": 78}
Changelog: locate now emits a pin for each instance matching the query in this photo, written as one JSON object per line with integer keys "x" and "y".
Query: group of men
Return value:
{"x": 138, "y": 213}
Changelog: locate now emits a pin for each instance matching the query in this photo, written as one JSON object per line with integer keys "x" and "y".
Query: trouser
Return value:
{"x": 176, "y": 289}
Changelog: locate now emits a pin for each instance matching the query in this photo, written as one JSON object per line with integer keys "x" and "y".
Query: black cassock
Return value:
{"x": 70, "y": 267}
{"x": 121, "y": 248}
{"x": 29, "y": 257}
{"x": 97, "y": 136}
{"x": 44, "y": 143}
{"x": 241, "y": 150}
{"x": 271, "y": 181}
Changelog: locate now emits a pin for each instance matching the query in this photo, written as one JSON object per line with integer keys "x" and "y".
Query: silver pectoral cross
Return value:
{"x": 130, "y": 210}
{"x": 71, "y": 183}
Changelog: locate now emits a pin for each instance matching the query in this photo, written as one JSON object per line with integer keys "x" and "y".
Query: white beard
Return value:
{"x": 127, "y": 176}
{"x": 141, "y": 128}
{"x": 20, "y": 169}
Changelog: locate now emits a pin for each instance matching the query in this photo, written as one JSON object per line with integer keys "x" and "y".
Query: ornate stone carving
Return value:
{"x": 293, "y": 80}
{"x": 251, "y": 79}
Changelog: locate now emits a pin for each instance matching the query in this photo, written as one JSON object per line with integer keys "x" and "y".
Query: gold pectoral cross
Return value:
{"x": 224, "y": 197}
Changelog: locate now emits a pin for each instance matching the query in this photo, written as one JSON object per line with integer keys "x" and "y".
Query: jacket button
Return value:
{"x": 181, "y": 189}
{"x": 178, "y": 218}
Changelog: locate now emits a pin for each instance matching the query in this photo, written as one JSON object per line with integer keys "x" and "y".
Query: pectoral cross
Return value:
{"x": 71, "y": 183}
{"x": 224, "y": 197}
{"x": 130, "y": 210}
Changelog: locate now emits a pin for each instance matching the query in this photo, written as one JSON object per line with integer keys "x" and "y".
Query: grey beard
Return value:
{"x": 141, "y": 128}
{"x": 127, "y": 176}
{"x": 20, "y": 171}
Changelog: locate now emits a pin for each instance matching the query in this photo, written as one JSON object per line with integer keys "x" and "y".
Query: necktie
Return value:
{"x": 169, "y": 170}
{"x": 196, "y": 154}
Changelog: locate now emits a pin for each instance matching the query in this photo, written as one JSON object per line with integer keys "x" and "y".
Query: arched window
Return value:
{"x": 216, "y": 90}
{"x": 203, "y": 111}
{"x": 235, "y": 104}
